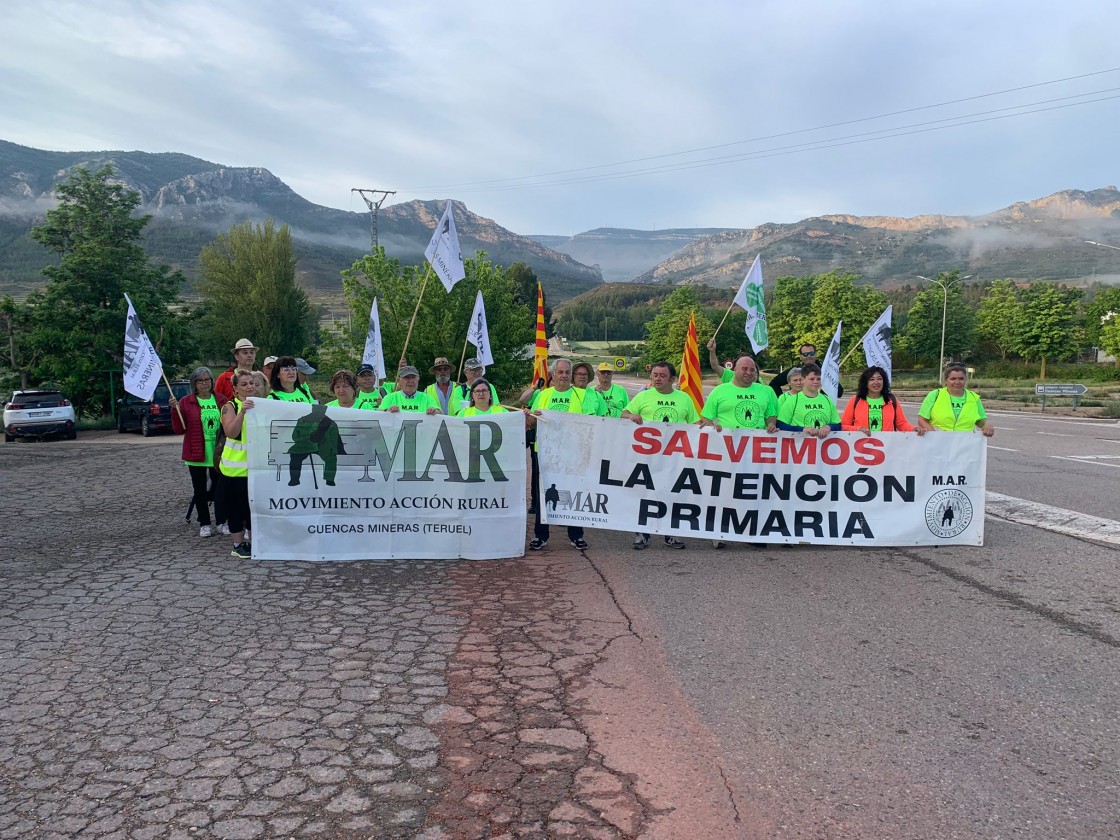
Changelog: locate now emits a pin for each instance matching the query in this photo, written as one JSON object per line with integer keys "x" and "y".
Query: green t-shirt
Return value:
{"x": 471, "y": 411}
{"x": 418, "y": 402}
{"x": 733, "y": 407}
{"x": 573, "y": 400}
{"x": 676, "y": 407}
{"x": 211, "y": 422}
{"x": 299, "y": 395}
{"x": 726, "y": 375}
{"x": 806, "y": 412}
{"x": 875, "y": 414}
{"x": 595, "y": 403}
{"x": 461, "y": 399}
{"x": 615, "y": 398}
{"x": 368, "y": 400}
{"x": 334, "y": 404}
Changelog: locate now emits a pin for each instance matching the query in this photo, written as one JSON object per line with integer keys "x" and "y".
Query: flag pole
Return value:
{"x": 178, "y": 410}
{"x": 854, "y": 346}
{"x": 463, "y": 357}
{"x": 725, "y": 314}
{"x": 407, "y": 338}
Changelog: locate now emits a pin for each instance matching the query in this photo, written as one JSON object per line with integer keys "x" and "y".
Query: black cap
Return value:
{"x": 365, "y": 369}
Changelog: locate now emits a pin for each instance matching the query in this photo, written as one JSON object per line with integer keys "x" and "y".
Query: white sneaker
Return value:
{"x": 205, "y": 531}
{"x": 248, "y": 535}
{"x": 223, "y": 529}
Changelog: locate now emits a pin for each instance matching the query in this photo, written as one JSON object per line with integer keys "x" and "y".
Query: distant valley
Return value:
{"x": 192, "y": 200}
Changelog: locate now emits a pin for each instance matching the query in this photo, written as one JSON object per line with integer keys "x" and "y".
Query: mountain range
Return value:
{"x": 192, "y": 200}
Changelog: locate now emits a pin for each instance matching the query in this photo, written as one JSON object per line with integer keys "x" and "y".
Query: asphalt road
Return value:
{"x": 918, "y": 693}
{"x": 949, "y": 692}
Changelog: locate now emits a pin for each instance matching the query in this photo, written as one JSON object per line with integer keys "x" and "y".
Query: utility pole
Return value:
{"x": 373, "y": 203}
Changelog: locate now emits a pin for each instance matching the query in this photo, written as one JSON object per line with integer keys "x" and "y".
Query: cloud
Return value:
{"x": 422, "y": 96}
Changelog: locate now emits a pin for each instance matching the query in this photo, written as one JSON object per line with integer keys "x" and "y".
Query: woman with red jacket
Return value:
{"x": 874, "y": 408}
{"x": 201, "y": 410}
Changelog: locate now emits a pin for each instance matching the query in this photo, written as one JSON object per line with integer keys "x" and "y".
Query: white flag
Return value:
{"x": 142, "y": 367}
{"x": 443, "y": 251}
{"x": 751, "y": 299}
{"x": 373, "y": 354}
{"x": 877, "y": 343}
{"x": 478, "y": 334}
{"x": 830, "y": 368}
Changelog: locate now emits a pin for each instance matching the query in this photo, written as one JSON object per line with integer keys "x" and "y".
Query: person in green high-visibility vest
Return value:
{"x": 954, "y": 408}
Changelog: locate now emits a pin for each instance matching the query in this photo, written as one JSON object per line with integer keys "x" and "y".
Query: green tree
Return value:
{"x": 921, "y": 339}
{"x": 1109, "y": 334}
{"x": 441, "y": 323}
{"x": 76, "y": 324}
{"x": 805, "y": 310}
{"x": 1099, "y": 312}
{"x": 790, "y": 316}
{"x": 1047, "y": 328}
{"x": 999, "y": 312}
{"x": 249, "y": 289}
{"x": 669, "y": 330}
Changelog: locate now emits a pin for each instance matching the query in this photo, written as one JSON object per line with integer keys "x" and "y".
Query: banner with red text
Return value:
{"x": 894, "y": 489}
{"x": 344, "y": 484}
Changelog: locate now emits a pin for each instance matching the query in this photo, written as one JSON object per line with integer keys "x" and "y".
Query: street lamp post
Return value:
{"x": 944, "y": 313}
{"x": 1102, "y": 245}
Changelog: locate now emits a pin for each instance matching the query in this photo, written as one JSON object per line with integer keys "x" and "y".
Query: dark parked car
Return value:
{"x": 38, "y": 413}
{"x": 149, "y": 416}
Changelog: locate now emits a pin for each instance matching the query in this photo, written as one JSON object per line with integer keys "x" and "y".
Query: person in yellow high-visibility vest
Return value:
{"x": 954, "y": 408}
{"x": 234, "y": 466}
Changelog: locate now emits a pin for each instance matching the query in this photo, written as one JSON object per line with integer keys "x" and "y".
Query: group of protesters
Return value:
{"x": 211, "y": 418}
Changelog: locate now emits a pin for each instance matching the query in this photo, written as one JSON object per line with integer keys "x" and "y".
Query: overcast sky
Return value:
{"x": 428, "y": 97}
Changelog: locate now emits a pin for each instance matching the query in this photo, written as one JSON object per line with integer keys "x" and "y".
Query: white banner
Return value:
{"x": 347, "y": 484}
{"x": 830, "y": 367}
{"x": 373, "y": 354}
{"x": 895, "y": 489}
{"x": 877, "y": 343}
{"x": 142, "y": 367}
{"x": 478, "y": 334}
{"x": 443, "y": 251}
{"x": 750, "y": 297}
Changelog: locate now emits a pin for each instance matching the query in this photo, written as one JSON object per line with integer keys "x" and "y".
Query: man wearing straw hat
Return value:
{"x": 244, "y": 354}
{"x": 442, "y": 390}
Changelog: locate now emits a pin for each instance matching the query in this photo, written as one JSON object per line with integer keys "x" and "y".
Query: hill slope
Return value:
{"x": 1031, "y": 240}
{"x": 192, "y": 200}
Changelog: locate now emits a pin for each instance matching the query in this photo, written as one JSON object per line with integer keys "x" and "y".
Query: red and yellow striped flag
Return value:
{"x": 540, "y": 354}
{"x": 691, "y": 381}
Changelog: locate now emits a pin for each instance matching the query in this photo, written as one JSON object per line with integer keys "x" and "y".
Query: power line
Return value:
{"x": 816, "y": 145}
{"x": 760, "y": 138}
{"x": 374, "y": 206}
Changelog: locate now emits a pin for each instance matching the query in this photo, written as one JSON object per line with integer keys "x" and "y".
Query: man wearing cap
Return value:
{"x": 244, "y": 354}
{"x": 614, "y": 396}
{"x": 266, "y": 368}
{"x": 442, "y": 390}
{"x": 407, "y": 397}
{"x": 369, "y": 396}
{"x": 474, "y": 370}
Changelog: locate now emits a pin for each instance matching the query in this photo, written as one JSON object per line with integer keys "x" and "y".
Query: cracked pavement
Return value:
{"x": 155, "y": 687}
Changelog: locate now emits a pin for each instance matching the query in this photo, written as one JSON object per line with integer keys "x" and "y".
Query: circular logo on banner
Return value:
{"x": 620, "y": 363}
{"x": 948, "y": 513}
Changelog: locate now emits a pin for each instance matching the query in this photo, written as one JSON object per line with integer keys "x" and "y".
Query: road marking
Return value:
{"x": 1059, "y": 520}
{"x": 1056, "y": 434}
{"x": 1089, "y": 457}
{"x": 1082, "y": 459}
{"x": 1085, "y": 421}
{"x": 1002, "y": 448}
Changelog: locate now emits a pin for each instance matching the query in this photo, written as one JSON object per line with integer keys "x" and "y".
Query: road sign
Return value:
{"x": 1062, "y": 390}
{"x": 620, "y": 363}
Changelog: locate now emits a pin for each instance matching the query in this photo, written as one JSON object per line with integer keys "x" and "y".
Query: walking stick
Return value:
{"x": 725, "y": 314}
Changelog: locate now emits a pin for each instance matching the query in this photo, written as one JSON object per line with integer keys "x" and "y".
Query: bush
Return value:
{"x": 1111, "y": 408}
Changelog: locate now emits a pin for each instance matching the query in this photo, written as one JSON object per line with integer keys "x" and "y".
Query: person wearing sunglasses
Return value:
{"x": 806, "y": 355}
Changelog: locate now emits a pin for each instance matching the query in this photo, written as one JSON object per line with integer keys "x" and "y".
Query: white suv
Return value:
{"x": 38, "y": 413}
